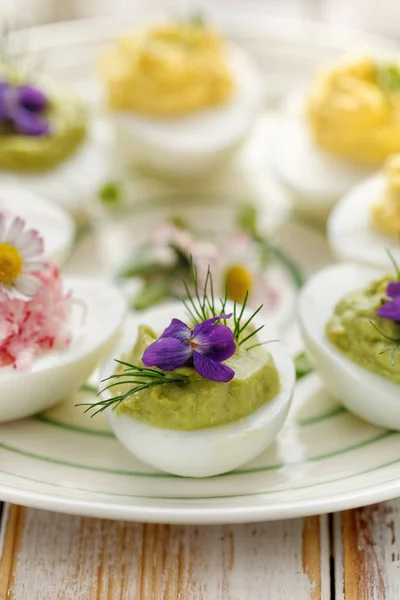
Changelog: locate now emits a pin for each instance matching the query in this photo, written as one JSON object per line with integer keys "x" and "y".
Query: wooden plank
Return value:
{"x": 50, "y": 556}
{"x": 367, "y": 552}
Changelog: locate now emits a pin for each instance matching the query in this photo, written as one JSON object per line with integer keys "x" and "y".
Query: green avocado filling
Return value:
{"x": 351, "y": 331}
{"x": 201, "y": 403}
{"x": 68, "y": 123}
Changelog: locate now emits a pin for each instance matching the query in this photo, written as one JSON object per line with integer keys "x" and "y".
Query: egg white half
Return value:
{"x": 315, "y": 178}
{"x": 205, "y": 452}
{"x": 193, "y": 144}
{"x": 77, "y": 179}
{"x": 351, "y": 233}
{"x": 57, "y": 374}
{"x": 54, "y": 224}
{"x": 362, "y": 392}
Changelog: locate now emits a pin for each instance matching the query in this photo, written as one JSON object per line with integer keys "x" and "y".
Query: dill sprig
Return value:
{"x": 202, "y": 305}
{"x": 394, "y": 263}
{"x": 395, "y": 343}
{"x": 141, "y": 378}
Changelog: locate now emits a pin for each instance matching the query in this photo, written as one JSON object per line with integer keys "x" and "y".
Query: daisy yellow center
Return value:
{"x": 238, "y": 281}
{"x": 10, "y": 263}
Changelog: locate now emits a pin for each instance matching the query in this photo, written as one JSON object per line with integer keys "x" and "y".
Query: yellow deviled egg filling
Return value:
{"x": 168, "y": 70}
{"x": 354, "y": 110}
{"x": 200, "y": 403}
{"x": 385, "y": 212}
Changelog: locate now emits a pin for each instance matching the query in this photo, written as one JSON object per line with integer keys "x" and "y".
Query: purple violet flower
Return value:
{"x": 208, "y": 345}
{"x": 22, "y": 107}
{"x": 391, "y": 310}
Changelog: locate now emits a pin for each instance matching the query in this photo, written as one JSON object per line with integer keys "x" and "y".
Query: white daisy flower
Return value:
{"x": 21, "y": 258}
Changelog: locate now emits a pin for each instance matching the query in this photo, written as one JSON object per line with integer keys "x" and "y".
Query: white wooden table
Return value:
{"x": 354, "y": 555}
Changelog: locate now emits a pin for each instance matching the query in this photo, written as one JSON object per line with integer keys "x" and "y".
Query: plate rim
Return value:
{"x": 204, "y": 516}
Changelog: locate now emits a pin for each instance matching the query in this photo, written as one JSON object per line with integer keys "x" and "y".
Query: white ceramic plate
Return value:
{"x": 351, "y": 233}
{"x": 53, "y": 222}
{"x": 324, "y": 458}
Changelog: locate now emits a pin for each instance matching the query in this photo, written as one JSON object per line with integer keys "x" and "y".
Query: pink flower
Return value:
{"x": 30, "y": 327}
{"x": 21, "y": 259}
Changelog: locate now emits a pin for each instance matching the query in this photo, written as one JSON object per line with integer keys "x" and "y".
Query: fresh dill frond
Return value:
{"x": 202, "y": 305}
{"x": 141, "y": 378}
{"x": 242, "y": 328}
{"x": 261, "y": 344}
{"x": 394, "y": 343}
{"x": 394, "y": 263}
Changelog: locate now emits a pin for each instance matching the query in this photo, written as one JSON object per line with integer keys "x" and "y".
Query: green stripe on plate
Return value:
{"x": 123, "y": 472}
{"x": 74, "y": 428}
{"x": 109, "y": 434}
{"x": 263, "y": 493}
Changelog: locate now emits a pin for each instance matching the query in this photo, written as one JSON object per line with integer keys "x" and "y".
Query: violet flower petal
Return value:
{"x": 29, "y": 123}
{"x": 201, "y": 327}
{"x": 393, "y": 289}
{"x": 216, "y": 343}
{"x": 3, "y": 104}
{"x": 31, "y": 98}
{"x": 390, "y": 310}
{"x": 167, "y": 354}
{"x": 210, "y": 369}
{"x": 178, "y": 330}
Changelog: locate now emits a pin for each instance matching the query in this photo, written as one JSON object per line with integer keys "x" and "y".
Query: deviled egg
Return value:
{"x": 351, "y": 332}
{"x": 180, "y": 99}
{"x": 52, "y": 332}
{"x": 54, "y": 223}
{"x": 212, "y": 399}
{"x": 48, "y": 143}
{"x": 367, "y": 219}
{"x": 349, "y": 126}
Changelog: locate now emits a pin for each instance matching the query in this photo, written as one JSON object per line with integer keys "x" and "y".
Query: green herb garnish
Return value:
{"x": 141, "y": 378}
{"x": 110, "y": 193}
{"x": 388, "y": 78}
